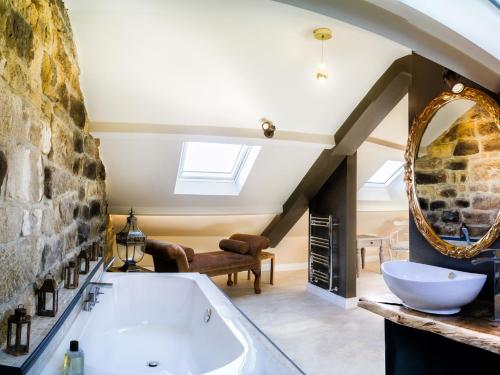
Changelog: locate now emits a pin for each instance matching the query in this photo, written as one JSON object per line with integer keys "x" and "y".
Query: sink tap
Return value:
{"x": 465, "y": 231}
{"x": 495, "y": 259}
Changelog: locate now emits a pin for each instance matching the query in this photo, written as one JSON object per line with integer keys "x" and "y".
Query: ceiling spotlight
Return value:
{"x": 268, "y": 128}
{"x": 452, "y": 80}
{"x": 322, "y": 34}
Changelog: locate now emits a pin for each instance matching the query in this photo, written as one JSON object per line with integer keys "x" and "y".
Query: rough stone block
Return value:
{"x": 11, "y": 219}
{"x": 90, "y": 169}
{"x": 491, "y": 145}
{"x": 83, "y": 232}
{"x": 457, "y": 165}
{"x": 486, "y": 202}
{"x": 66, "y": 208}
{"x": 47, "y": 182}
{"x": 475, "y": 217}
{"x": 448, "y": 193}
{"x": 77, "y": 141}
{"x": 485, "y": 170}
{"x": 19, "y": 264}
{"x": 90, "y": 147}
{"x": 101, "y": 171}
{"x": 437, "y": 205}
{"x": 19, "y": 35}
{"x": 62, "y": 145}
{"x": 428, "y": 163}
{"x": 462, "y": 203}
{"x": 95, "y": 208}
{"x": 441, "y": 150}
{"x": 423, "y": 203}
{"x": 469, "y": 147}
{"x": 25, "y": 175}
{"x": 32, "y": 222}
{"x": 430, "y": 178}
{"x": 488, "y": 128}
{"x": 478, "y": 230}
{"x": 77, "y": 112}
{"x": 450, "y": 216}
{"x": 3, "y": 167}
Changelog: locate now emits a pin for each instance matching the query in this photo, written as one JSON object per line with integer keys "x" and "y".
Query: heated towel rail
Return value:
{"x": 323, "y": 252}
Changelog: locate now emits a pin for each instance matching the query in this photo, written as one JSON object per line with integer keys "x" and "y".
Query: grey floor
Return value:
{"x": 318, "y": 336}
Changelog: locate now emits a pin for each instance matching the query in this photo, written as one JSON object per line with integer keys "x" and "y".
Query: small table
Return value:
{"x": 263, "y": 256}
{"x": 368, "y": 240}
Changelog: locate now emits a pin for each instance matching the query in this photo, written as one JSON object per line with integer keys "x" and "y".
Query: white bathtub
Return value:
{"x": 161, "y": 318}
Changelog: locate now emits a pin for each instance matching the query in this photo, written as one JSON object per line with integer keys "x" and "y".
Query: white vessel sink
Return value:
{"x": 431, "y": 289}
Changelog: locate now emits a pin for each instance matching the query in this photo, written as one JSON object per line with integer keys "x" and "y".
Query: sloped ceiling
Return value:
{"x": 219, "y": 64}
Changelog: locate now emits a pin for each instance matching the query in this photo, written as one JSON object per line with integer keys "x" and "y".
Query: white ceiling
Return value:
{"x": 394, "y": 127}
{"x": 142, "y": 170}
{"x": 221, "y": 63}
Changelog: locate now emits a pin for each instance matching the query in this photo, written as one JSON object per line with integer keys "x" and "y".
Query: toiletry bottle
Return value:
{"x": 73, "y": 360}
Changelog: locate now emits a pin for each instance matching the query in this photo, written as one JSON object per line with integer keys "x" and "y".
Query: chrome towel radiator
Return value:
{"x": 323, "y": 252}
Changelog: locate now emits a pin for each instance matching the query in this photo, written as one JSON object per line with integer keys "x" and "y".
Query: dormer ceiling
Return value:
{"x": 156, "y": 73}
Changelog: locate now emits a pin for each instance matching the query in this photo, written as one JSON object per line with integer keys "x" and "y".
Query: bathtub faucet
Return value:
{"x": 495, "y": 259}
{"x": 93, "y": 294}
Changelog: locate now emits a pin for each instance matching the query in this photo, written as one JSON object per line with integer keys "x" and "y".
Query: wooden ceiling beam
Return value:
{"x": 373, "y": 108}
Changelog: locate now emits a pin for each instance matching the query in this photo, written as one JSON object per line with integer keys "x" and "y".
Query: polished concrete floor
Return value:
{"x": 318, "y": 336}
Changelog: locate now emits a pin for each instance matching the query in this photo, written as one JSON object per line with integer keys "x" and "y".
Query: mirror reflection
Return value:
{"x": 457, "y": 172}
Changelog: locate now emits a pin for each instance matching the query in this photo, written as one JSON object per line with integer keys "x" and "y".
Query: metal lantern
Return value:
{"x": 48, "y": 297}
{"x": 18, "y": 332}
{"x": 71, "y": 276}
{"x": 83, "y": 262}
{"x": 130, "y": 243}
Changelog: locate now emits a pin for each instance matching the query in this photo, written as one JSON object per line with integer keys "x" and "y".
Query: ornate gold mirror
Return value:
{"x": 452, "y": 172}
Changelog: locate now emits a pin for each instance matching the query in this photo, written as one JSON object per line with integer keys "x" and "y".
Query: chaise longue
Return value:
{"x": 241, "y": 252}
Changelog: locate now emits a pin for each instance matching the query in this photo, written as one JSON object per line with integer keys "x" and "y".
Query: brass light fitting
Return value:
{"x": 322, "y": 34}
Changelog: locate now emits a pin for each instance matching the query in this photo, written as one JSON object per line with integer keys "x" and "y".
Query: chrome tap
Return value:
{"x": 495, "y": 259}
{"x": 465, "y": 231}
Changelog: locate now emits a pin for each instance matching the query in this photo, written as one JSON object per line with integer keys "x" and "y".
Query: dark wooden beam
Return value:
{"x": 373, "y": 108}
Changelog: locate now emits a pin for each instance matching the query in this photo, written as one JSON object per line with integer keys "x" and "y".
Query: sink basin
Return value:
{"x": 431, "y": 289}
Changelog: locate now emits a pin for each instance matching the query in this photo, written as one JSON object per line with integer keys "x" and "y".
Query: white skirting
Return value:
{"x": 345, "y": 303}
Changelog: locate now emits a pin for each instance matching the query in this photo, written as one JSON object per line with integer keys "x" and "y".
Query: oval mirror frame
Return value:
{"x": 416, "y": 132}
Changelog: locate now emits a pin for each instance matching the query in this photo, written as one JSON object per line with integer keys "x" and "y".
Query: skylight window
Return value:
{"x": 386, "y": 172}
{"x": 214, "y": 168}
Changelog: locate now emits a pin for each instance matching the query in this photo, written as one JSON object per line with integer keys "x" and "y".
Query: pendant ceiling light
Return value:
{"x": 322, "y": 34}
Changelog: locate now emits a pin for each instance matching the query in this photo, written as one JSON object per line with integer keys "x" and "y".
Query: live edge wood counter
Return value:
{"x": 472, "y": 326}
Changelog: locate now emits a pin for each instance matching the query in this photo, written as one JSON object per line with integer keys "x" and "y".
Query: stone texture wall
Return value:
{"x": 458, "y": 180}
{"x": 52, "y": 190}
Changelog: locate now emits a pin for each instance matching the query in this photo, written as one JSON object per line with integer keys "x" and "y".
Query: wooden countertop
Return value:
{"x": 472, "y": 326}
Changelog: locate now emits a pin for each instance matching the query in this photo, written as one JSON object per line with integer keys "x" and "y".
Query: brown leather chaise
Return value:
{"x": 238, "y": 253}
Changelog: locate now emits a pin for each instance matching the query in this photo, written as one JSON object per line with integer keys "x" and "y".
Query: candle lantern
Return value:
{"x": 94, "y": 249}
{"x": 18, "y": 332}
{"x": 83, "y": 262}
{"x": 48, "y": 297}
{"x": 130, "y": 243}
{"x": 71, "y": 276}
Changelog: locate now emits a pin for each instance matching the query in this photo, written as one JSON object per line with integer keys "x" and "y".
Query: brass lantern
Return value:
{"x": 48, "y": 297}
{"x": 130, "y": 243}
{"x": 71, "y": 276}
{"x": 18, "y": 332}
{"x": 83, "y": 262}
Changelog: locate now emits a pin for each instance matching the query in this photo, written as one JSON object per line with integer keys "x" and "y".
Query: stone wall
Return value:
{"x": 458, "y": 180}
{"x": 52, "y": 190}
